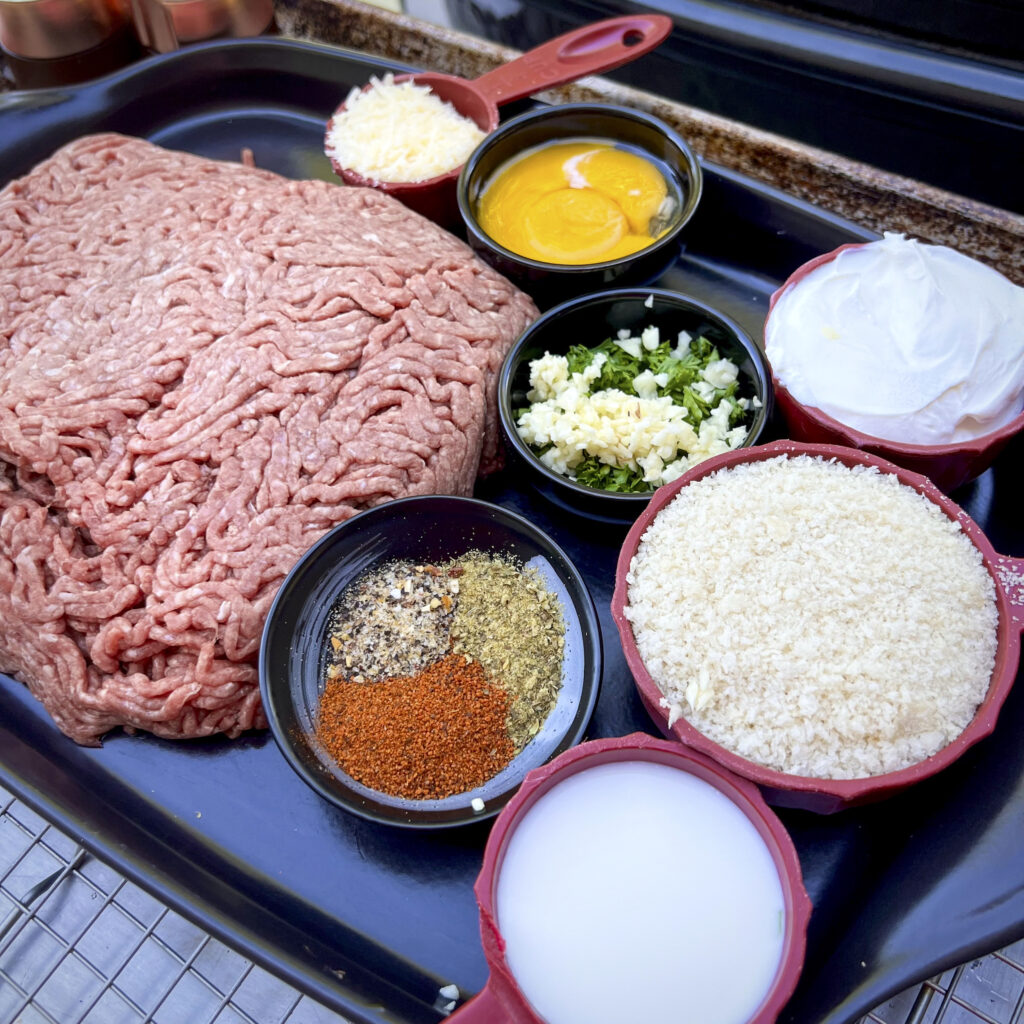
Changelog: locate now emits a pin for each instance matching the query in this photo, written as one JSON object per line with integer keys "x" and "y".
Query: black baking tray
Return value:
{"x": 372, "y": 919}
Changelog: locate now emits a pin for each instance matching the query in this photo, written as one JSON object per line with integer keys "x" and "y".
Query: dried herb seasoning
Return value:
{"x": 508, "y": 620}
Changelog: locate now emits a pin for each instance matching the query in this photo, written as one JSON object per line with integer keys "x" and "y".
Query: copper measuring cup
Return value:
{"x": 588, "y": 50}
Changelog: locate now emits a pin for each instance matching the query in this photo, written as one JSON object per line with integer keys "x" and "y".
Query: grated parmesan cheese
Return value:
{"x": 400, "y": 132}
{"x": 818, "y": 619}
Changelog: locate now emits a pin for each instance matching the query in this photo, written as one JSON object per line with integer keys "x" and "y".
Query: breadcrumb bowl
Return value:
{"x": 948, "y": 466}
{"x": 588, "y": 320}
{"x": 815, "y": 793}
{"x": 504, "y": 998}
{"x": 425, "y": 530}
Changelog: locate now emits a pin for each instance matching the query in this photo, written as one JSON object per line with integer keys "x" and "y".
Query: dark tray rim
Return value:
{"x": 127, "y": 845}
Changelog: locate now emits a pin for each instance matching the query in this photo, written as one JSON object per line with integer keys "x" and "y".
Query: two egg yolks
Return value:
{"x": 573, "y": 202}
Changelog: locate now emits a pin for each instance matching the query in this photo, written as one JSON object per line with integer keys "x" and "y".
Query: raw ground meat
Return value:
{"x": 204, "y": 367}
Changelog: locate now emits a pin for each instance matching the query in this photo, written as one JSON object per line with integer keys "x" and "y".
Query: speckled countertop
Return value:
{"x": 865, "y": 195}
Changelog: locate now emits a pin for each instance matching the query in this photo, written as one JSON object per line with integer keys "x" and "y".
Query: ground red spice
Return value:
{"x": 422, "y": 737}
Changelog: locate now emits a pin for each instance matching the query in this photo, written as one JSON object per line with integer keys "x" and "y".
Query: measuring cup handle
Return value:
{"x": 583, "y": 51}
{"x": 1010, "y": 572}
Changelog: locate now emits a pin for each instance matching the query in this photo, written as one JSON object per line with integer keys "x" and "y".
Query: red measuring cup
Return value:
{"x": 501, "y": 1001}
{"x": 588, "y": 50}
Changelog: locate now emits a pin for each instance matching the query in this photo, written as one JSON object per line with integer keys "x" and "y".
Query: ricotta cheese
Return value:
{"x": 904, "y": 341}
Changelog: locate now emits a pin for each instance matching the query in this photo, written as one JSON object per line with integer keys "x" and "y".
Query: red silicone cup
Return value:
{"x": 947, "y": 465}
{"x": 588, "y": 50}
{"x": 501, "y": 1001}
{"x": 829, "y": 795}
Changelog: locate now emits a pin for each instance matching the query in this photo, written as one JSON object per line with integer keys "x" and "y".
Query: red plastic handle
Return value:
{"x": 583, "y": 51}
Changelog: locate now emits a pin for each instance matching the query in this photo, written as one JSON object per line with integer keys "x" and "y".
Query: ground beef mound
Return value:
{"x": 204, "y": 367}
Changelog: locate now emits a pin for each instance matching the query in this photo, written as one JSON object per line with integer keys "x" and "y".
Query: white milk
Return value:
{"x": 637, "y": 892}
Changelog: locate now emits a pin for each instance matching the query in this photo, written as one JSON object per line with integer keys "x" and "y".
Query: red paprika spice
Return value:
{"x": 426, "y": 736}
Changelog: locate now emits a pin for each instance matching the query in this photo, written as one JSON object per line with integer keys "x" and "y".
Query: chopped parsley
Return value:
{"x": 633, "y": 413}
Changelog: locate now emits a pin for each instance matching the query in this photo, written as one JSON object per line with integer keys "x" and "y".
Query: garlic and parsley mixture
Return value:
{"x": 634, "y": 413}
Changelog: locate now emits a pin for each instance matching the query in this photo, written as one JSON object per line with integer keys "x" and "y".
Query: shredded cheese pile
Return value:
{"x": 400, "y": 132}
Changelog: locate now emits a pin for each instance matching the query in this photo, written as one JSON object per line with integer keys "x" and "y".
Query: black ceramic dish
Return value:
{"x": 589, "y": 320}
{"x": 550, "y": 283}
{"x": 426, "y": 530}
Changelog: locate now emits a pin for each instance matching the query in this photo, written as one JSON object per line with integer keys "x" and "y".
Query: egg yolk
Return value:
{"x": 574, "y": 202}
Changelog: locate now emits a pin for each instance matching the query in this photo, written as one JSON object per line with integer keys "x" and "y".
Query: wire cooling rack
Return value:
{"x": 80, "y": 944}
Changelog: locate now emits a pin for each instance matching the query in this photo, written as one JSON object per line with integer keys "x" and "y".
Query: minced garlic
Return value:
{"x": 646, "y": 432}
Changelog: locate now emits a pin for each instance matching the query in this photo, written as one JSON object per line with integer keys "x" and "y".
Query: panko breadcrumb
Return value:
{"x": 818, "y": 619}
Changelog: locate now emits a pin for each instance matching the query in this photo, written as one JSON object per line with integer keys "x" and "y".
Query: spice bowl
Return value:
{"x": 998, "y": 630}
{"x": 581, "y": 857}
{"x": 589, "y": 320}
{"x": 378, "y": 727}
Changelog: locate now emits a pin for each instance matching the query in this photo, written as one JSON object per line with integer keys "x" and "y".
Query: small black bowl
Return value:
{"x": 293, "y": 656}
{"x": 549, "y": 283}
{"x": 590, "y": 319}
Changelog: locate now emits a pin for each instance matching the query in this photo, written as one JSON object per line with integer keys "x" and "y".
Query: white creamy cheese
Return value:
{"x": 400, "y": 132}
{"x": 905, "y": 341}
